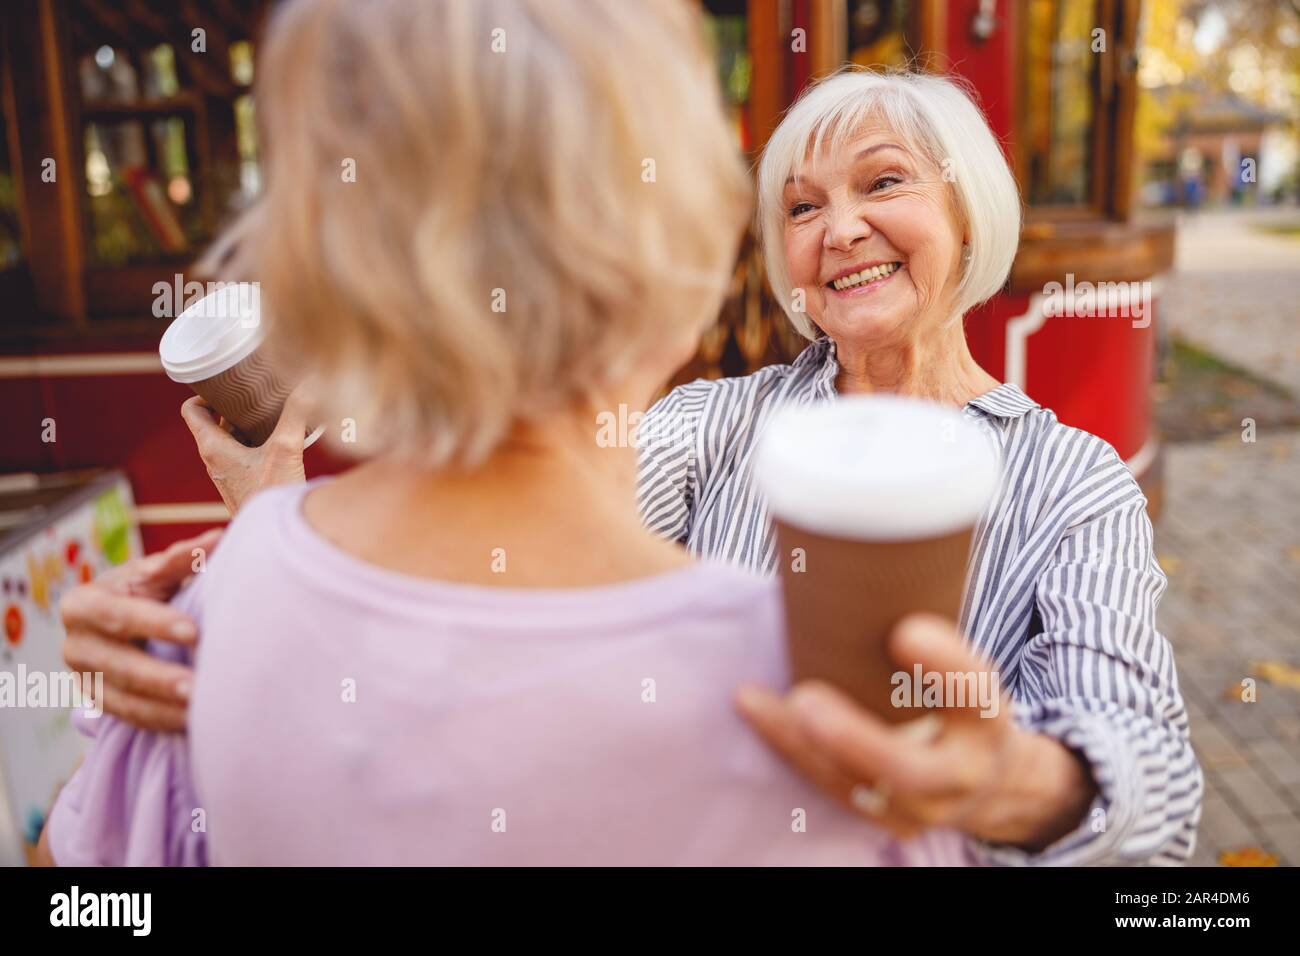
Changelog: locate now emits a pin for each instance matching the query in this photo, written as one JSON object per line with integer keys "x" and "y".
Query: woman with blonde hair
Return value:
{"x": 887, "y": 212}
{"x": 469, "y": 649}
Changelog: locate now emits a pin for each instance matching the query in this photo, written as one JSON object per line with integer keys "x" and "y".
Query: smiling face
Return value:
{"x": 873, "y": 239}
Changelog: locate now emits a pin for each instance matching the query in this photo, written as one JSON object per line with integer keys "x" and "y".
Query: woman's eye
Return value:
{"x": 886, "y": 181}
{"x": 799, "y": 208}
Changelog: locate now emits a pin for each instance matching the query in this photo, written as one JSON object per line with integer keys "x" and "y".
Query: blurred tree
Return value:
{"x": 1250, "y": 48}
{"x": 1197, "y": 49}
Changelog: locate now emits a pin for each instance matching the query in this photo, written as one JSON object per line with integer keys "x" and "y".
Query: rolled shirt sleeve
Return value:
{"x": 1100, "y": 678}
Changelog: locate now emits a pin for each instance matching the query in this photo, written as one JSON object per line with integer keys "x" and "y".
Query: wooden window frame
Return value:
{"x": 1114, "y": 91}
{"x": 70, "y": 297}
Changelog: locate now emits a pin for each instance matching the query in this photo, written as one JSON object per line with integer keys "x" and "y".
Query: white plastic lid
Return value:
{"x": 214, "y": 333}
{"x": 876, "y": 467}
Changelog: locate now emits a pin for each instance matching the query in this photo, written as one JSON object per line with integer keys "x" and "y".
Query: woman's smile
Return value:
{"x": 864, "y": 280}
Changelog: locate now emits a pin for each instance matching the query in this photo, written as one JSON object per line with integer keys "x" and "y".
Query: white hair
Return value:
{"x": 935, "y": 116}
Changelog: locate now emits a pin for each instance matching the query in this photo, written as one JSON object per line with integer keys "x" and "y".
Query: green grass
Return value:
{"x": 1185, "y": 359}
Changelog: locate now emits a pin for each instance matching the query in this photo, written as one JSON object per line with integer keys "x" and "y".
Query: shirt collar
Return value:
{"x": 820, "y": 355}
{"x": 1006, "y": 401}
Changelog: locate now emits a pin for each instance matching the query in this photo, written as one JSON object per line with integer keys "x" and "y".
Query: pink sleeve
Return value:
{"x": 131, "y": 802}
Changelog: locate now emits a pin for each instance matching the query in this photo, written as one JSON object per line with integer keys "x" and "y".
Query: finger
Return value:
{"x": 291, "y": 429}
{"x": 862, "y": 746}
{"x": 143, "y": 712}
{"x": 160, "y": 575}
{"x": 781, "y": 729}
{"x": 937, "y": 645}
{"x": 92, "y": 610}
{"x": 209, "y": 436}
{"x": 933, "y": 641}
{"x": 130, "y": 670}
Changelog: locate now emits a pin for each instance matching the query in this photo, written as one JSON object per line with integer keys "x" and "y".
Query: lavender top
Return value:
{"x": 346, "y": 714}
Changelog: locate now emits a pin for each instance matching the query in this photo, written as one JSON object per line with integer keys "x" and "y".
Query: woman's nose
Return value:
{"x": 844, "y": 227}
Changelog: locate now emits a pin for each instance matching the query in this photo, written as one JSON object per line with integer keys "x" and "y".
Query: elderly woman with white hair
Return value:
{"x": 887, "y": 212}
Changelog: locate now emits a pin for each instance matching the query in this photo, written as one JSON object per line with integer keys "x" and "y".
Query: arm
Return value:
{"x": 1101, "y": 679}
{"x": 1097, "y": 768}
{"x": 239, "y": 471}
{"x": 964, "y": 765}
{"x": 130, "y": 802}
{"x": 669, "y": 461}
{"x": 104, "y": 618}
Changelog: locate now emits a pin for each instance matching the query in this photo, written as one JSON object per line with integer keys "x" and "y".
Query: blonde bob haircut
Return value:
{"x": 935, "y": 117}
{"x": 476, "y": 212}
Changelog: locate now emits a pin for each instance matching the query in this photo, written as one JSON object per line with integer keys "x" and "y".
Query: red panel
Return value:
{"x": 22, "y": 410}
{"x": 131, "y": 422}
{"x": 989, "y": 65}
{"x": 1095, "y": 373}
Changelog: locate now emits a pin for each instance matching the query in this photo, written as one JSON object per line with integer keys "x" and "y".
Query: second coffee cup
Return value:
{"x": 874, "y": 501}
{"x": 217, "y": 347}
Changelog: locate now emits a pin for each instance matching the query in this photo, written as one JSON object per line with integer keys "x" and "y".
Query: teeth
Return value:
{"x": 865, "y": 276}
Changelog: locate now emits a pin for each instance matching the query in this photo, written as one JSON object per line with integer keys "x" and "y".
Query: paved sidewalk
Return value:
{"x": 1236, "y": 291}
{"x": 1229, "y": 539}
{"x": 1230, "y": 542}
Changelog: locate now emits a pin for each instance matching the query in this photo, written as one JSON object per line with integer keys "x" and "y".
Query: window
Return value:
{"x": 139, "y": 116}
{"x": 1077, "y": 83}
{"x": 882, "y": 32}
{"x": 166, "y": 136}
{"x": 1060, "y": 100}
{"x": 15, "y": 278}
{"x": 11, "y": 235}
{"x": 728, "y": 36}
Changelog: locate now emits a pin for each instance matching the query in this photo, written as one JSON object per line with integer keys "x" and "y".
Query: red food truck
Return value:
{"x": 127, "y": 137}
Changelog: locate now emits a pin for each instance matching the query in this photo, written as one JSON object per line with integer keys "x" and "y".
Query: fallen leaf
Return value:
{"x": 1247, "y": 856}
{"x": 1169, "y": 564}
{"x": 1277, "y": 672}
{"x": 1232, "y": 692}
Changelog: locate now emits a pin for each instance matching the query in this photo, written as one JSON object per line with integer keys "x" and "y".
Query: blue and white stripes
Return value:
{"x": 1062, "y": 592}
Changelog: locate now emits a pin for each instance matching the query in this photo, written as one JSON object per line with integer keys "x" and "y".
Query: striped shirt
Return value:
{"x": 1061, "y": 594}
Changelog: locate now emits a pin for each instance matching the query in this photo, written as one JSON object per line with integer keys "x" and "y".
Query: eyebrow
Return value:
{"x": 864, "y": 153}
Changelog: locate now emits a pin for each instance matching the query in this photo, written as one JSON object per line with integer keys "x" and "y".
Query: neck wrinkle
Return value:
{"x": 938, "y": 367}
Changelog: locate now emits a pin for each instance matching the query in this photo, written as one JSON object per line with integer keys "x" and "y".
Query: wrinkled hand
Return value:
{"x": 239, "y": 471}
{"x": 984, "y": 775}
{"x": 104, "y": 618}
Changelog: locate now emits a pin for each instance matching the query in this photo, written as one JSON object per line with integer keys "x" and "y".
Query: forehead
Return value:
{"x": 832, "y": 152}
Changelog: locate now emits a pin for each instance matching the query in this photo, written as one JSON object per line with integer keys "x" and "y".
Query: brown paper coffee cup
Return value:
{"x": 874, "y": 501}
{"x": 217, "y": 346}
{"x": 843, "y": 604}
{"x": 250, "y": 395}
